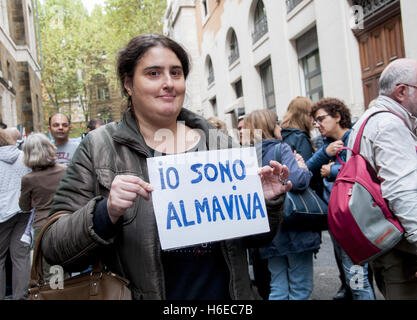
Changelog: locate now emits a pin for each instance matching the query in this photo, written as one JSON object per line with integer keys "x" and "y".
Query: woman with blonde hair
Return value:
{"x": 290, "y": 254}
{"x": 39, "y": 186}
{"x": 219, "y": 124}
{"x": 297, "y": 125}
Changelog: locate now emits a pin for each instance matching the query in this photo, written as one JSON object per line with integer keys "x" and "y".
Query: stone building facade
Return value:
{"x": 107, "y": 102}
{"x": 20, "y": 82}
{"x": 252, "y": 54}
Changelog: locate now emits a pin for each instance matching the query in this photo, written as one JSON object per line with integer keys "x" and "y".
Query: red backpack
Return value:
{"x": 359, "y": 217}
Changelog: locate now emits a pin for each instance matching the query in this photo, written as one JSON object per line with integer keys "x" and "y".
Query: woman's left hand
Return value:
{"x": 274, "y": 180}
{"x": 326, "y": 169}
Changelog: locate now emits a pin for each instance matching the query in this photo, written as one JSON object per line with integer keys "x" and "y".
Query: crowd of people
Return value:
{"x": 101, "y": 188}
{"x": 31, "y": 170}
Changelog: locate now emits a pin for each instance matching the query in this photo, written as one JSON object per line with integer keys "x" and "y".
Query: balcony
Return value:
{"x": 371, "y": 7}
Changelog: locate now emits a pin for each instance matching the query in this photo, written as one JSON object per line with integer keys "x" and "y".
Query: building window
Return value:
{"x": 104, "y": 113}
{"x": 234, "y": 48}
{"x": 312, "y": 76}
{"x": 103, "y": 93}
{"x": 38, "y": 109}
{"x": 308, "y": 55}
{"x": 205, "y": 7}
{"x": 9, "y": 71}
{"x": 267, "y": 84}
{"x": 210, "y": 78}
{"x": 260, "y": 22}
{"x": 238, "y": 89}
{"x": 291, "y": 4}
{"x": 213, "y": 103}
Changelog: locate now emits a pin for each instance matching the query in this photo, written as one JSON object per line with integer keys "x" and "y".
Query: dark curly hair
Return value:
{"x": 334, "y": 107}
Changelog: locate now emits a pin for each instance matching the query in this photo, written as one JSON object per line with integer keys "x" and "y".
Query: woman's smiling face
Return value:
{"x": 158, "y": 86}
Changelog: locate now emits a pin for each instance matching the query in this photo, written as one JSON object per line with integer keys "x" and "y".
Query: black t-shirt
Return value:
{"x": 196, "y": 273}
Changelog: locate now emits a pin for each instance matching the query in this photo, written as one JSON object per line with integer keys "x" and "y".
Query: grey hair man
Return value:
{"x": 389, "y": 143}
{"x": 14, "y": 133}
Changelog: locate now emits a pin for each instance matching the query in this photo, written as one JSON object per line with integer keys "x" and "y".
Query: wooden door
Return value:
{"x": 378, "y": 47}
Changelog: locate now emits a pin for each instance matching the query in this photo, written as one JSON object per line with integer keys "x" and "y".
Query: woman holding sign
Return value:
{"x": 107, "y": 192}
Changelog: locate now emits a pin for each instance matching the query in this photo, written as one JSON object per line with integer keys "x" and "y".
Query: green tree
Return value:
{"x": 79, "y": 49}
{"x": 128, "y": 18}
{"x": 60, "y": 22}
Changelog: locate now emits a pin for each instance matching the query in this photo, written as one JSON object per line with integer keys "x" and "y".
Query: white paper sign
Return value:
{"x": 207, "y": 196}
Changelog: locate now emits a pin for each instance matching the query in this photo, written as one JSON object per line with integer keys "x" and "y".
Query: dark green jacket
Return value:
{"x": 135, "y": 252}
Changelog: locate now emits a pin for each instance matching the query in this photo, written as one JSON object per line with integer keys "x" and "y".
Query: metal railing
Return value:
{"x": 291, "y": 4}
{"x": 261, "y": 28}
{"x": 234, "y": 55}
{"x": 372, "y": 6}
{"x": 210, "y": 78}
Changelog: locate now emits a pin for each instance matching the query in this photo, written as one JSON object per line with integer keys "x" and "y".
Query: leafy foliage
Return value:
{"x": 78, "y": 48}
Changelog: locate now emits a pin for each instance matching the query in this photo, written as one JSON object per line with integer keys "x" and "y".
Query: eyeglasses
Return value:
{"x": 405, "y": 84}
{"x": 319, "y": 119}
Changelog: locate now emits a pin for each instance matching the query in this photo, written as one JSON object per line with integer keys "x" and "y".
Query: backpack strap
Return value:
{"x": 357, "y": 145}
{"x": 339, "y": 151}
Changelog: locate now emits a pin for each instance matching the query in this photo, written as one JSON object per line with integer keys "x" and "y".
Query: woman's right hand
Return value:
{"x": 326, "y": 169}
{"x": 334, "y": 147}
{"x": 123, "y": 193}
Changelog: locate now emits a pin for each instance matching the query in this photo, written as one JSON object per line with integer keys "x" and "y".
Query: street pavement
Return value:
{"x": 326, "y": 274}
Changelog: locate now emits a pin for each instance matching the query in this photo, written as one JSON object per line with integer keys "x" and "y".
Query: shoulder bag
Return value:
{"x": 303, "y": 210}
{"x": 99, "y": 284}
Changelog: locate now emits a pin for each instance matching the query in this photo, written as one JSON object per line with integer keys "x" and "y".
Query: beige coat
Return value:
{"x": 38, "y": 189}
{"x": 389, "y": 144}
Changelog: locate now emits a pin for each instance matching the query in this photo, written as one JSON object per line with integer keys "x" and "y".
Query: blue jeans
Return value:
{"x": 291, "y": 276}
{"x": 356, "y": 276}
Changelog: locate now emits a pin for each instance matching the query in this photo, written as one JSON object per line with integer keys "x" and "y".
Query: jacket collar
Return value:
{"x": 289, "y": 131}
{"x": 128, "y": 133}
{"x": 384, "y": 102}
{"x": 346, "y": 136}
{"x": 328, "y": 140}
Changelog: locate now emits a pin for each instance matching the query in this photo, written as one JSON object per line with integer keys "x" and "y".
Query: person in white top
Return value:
{"x": 13, "y": 221}
{"x": 389, "y": 143}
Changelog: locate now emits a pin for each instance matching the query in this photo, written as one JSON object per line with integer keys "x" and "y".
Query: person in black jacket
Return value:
{"x": 296, "y": 126}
